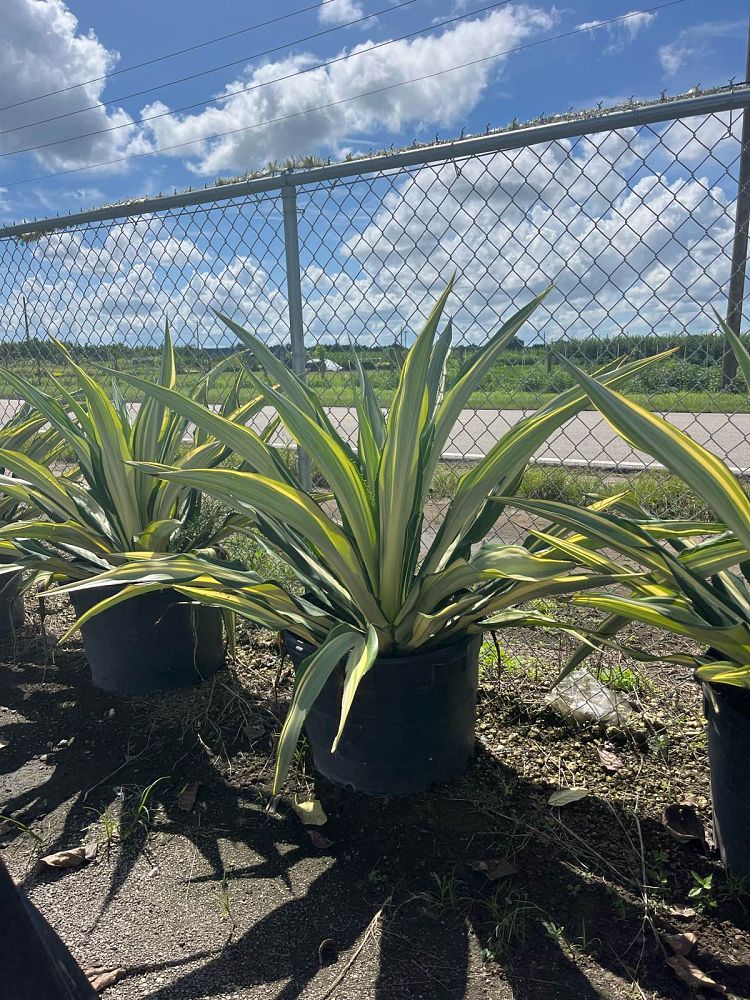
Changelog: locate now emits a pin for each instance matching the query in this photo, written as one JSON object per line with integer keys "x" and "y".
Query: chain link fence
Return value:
{"x": 630, "y": 213}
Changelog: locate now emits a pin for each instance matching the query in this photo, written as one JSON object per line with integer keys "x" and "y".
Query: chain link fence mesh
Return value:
{"x": 632, "y": 225}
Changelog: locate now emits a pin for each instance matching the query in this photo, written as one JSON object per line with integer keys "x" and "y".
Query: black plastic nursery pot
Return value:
{"x": 410, "y": 726}
{"x": 11, "y": 604}
{"x": 727, "y": 709}
{"x": 153, "y": 642}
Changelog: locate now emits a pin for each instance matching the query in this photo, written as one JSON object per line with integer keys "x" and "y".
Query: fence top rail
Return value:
{"x": 513, "y": 137}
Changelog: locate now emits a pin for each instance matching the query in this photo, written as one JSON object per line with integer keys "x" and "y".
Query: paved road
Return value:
{"x": 585, "y": 440}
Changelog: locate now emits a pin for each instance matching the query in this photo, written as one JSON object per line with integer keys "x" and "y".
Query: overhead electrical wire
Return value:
{"x": 213, "y": 69}
{"x": 257, "y": 86}
{"x": 341, "y": 101}
{"x": 169, "y": 55}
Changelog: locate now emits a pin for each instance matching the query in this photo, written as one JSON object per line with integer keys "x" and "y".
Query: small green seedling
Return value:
{"x": 702, "y": 891}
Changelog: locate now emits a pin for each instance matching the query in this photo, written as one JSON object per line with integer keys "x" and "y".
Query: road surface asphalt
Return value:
{"x": 585, "y": 440}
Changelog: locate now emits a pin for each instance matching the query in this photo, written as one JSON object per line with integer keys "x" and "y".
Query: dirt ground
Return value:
{"x": 478, "y": 889}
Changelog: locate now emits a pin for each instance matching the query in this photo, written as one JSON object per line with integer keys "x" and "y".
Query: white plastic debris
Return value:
{"x": 582, "y": 698}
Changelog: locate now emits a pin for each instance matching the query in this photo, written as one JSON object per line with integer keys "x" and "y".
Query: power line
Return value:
{"x": 212, "y": 69}
{"x": 258, "y": 86}
{"x": 170, "y": 55}
{"x": 344, "y": 100}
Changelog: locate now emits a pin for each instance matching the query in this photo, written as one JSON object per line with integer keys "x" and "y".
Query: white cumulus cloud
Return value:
{"x": 41, "y": 51}
{"x": 441, "y": 100}
{"x": 632, "y": 235}
{"x": 340, "y": 11}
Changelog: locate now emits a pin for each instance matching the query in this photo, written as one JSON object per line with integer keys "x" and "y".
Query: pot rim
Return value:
{"x": 463, "y": 639}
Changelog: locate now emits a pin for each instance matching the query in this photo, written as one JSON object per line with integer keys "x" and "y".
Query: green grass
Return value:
{"x": 539, "y": 482}
{"x": 337, "y": 392}
{"x": 621, "y": 678}
{"x": 256, "y": 559}
{"x": 527, "y": 382}
{"x": 47, "y": 378}
{"x": 662, "y": 493}
{"x": 674, "y": 386}
{"x": 489, "y": 667}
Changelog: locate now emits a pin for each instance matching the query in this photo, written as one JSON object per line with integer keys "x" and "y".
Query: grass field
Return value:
{"x": 673, "y": 386}
{"x": 665, "y": 495}
{"x": 339, "y": 393}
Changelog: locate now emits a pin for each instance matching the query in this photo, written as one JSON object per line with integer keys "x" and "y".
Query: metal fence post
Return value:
{"x": 739, "y": 247}
{"x": 294, "y": 305}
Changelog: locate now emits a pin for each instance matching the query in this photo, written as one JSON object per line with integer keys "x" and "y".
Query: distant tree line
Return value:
{"x": 705, "y": 349}
{"x": 700, "y": 348}
{"x": 45, "y": 351}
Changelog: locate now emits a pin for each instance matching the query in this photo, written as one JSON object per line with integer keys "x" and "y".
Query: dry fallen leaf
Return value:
{"x": 310, "y": 812}
{"x": 319, "y": 840}
{"x": 610, "y": 761}
{"x": 187, "y": 797}
{"x": 692, "y": 975}
{"x": 681, "y": 944}
{"x": 72, "y": 858}
{"x": 564, "y": 796}
{"x": 681, "y": 820}
{"x": 682, "y": 912}
{"x": 101, "y": 977}
{"x": 494, "y": 868}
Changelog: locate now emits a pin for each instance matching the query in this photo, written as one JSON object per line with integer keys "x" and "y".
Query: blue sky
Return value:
{"x": 55, "y": 45}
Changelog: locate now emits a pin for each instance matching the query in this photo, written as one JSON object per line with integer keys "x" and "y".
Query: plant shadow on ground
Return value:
{"x": 568, "y": 915}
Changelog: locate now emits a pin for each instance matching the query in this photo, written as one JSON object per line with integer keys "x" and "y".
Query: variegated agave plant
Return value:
{"x": 103, "y": 510}
{"x": 696, "y": 582}
{"x": 357, "y": 555}
{"x": 25, "y": 432}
